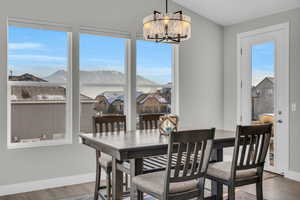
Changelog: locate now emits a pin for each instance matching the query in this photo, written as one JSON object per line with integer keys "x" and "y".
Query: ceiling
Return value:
{"x": 228, "y": 12}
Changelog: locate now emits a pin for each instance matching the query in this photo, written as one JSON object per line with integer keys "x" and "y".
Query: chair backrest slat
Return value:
{"x": 244, "y": 147}
{"x": 149, "y": 121}
{"x": 109, "y": 123}
{"x": 198, "y": 146}
{"x": 189, "y": 147}
{"x": 202, "y": 153}
{"x": 191, "y": 150}
{"x": 261, "y": 148}
{"x": 251, "y": 147}
{"x": 251, "y": 152}
{"x": 256, "y": 146}
{"x": 178, "y": 160}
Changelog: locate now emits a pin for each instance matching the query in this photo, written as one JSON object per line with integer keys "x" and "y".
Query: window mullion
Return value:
{"x": 175, "y": 80}
{"x": 131, "y": 83}
{"x": 74, "y": 70}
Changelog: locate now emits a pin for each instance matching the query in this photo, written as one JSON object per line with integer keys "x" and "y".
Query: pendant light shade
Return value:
{"x": 167, "y": 27}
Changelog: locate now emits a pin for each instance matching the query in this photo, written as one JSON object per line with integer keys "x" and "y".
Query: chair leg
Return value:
{"x": 108, "y": 184}
{"x": 259, "y": 191}
{"x": 98, "y": 178}
{"x": 201, "y": 188}
{"x": 231, "y": 193}
{"x": 140, "y": 195}
{"x": 126, "y": 182}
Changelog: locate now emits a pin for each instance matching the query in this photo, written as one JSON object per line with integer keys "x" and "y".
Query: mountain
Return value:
{"x": 97, "y": 77}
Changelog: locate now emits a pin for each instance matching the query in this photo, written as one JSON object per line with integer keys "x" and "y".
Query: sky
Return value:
{"x": 263, "y": 60}
{"x": 43, "y": 52}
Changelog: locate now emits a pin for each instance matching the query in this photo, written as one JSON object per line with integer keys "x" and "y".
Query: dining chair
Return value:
{"x": 153, "y": 163}
{"x": 180, "y": 181}
{"x": 105, "y": 124}
{"x": 247, "y": 166}
{"x": 149, "y": 121}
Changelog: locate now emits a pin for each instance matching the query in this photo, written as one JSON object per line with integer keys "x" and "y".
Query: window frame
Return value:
{"x": 72, "y": 128}
{"x": 68, "y": 125}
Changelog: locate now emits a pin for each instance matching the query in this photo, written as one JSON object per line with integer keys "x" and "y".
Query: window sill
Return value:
{"x": 39, "y": 144}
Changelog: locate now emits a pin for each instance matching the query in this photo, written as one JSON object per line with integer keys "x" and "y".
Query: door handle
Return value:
{"x": 279, "y": 121}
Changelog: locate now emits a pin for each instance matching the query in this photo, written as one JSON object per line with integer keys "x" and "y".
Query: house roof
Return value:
{"x": 269, "y": 78}
{"x": 26, "y": 77}
{"x": 38, "y": 93}
{"x": 41, "y": 93}
{"x": 158, "y": 97}
{"x": 112, "y": 97}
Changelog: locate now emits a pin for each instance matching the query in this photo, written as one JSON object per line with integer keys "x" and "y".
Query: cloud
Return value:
{"x": 25, "y": 45}
{"x": 41, "y": 58}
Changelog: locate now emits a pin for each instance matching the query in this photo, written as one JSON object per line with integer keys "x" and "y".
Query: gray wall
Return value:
{"x": 200, "y": 91}
{"x": 230, "y": 73}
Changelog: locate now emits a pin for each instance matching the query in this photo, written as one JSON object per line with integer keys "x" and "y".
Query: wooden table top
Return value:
{"x": 131, "y": 144}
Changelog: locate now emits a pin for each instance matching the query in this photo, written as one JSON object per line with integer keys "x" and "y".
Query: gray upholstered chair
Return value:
{"x": 251, "y": 147}
{"x": 102, "y": 124}
{"x": 188, "y": 157}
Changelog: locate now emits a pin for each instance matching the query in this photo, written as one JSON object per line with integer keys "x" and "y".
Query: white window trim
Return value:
{"x": 175, "y": 80}
{"x": 68, "y": 126}
{"x": 286, "y": 39}
{"x": 92, "y": 30}
{"x": 73, "y": 83}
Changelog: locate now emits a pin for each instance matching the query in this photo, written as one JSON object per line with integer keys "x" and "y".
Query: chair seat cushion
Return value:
{"x": 154, "y": 183}
{"x": 222, "y": 170}
{"x": 105, "y": 160}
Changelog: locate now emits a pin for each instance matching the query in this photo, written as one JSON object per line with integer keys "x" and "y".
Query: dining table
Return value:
{"x": 133, "y": 146}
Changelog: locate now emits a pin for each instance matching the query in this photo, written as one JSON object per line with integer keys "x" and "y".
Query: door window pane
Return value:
{"x": 263, "y": 81}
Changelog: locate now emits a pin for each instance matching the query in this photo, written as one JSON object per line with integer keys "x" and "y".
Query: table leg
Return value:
{"x": 136, "y": 168}
{"x": 117, "y": 180}
{"x": 217, "y": 188}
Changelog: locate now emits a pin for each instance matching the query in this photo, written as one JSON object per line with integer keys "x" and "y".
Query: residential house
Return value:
{"x": 44, "y": 108}
{"x": 263, "y": 98}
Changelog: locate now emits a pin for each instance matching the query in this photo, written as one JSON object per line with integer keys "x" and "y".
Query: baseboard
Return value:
{"x": 292, "y": 175}
{"x": 45, "y": 184}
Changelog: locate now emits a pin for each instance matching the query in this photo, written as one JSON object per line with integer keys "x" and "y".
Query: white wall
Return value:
{"x": 200, "y": 76}
{"x": 230, "y": 74}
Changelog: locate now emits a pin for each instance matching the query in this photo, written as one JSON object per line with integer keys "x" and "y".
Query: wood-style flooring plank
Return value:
{"x": 275, "y": 188}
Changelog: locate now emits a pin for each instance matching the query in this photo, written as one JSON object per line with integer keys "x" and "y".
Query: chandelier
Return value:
{"x": 167, "y": 27}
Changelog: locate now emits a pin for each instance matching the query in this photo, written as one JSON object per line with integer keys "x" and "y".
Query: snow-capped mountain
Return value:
{"x": 97, "y": 77}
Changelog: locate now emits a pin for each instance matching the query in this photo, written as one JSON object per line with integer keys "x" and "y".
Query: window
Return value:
{"x": 39, "y": 81}
{"x": 263, "y": 71}
{"x": 37, "y": 86}
{"x": 154, "y": 77}
{"x": 102, "y": 77}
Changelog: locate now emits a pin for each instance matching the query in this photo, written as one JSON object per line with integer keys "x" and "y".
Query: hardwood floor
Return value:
{"x": 55, "y": 193}
{"x": 275, "y": 188}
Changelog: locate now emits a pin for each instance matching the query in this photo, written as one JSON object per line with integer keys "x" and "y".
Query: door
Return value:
{"x": 264, "y": 88}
